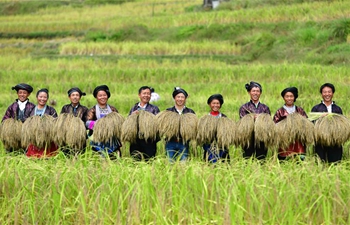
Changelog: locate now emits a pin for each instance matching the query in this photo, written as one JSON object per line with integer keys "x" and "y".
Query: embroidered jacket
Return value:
{"x": 185, "y": 110}
{"x": 48, "y": 111}
{"x": 14, "y": 112}
{"x": 250, "y": 107}
{"x": 282, "y": 113}
{"x": 323, "y": 108}
{"x": 149, "y": 108}
{"x": 81, "y": 111}
{"x": 91, "y": 114}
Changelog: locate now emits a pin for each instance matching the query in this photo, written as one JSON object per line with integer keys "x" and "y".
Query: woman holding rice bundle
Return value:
{"x": 289, "y": 96}
{"x": 144, "y": 149}
{"x": 328, "y": 153}
{"x": 215, "y": 102}
{"x": 42, "y": 109}
{"x": 174, "y": 146}
{"x": 101, "y": 109}
{"x": 254, "y": 106}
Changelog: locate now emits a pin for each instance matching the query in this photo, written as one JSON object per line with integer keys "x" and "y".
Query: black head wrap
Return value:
{"x": 43, "y": 90}
{"x": 293, "y": 90}
{"x": 101, "y": 88}
{"x": 76, "y": 89}
{"x": 253, "y": 84}
{"x": 178, "y": 90}
{"x": 23, "y": 86}
{"x": 331, "y": 86}
{"x": 217, "y": 97}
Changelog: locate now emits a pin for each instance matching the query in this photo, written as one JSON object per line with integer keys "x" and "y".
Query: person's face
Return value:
{"x": 102, "y": 98}
{"x": 215, "y": 105}
{"x": 180, "y": 100}
{"x": 289, "y": 99}
{"x": 327, "y": 94}
{"x": 42, "y": 98}
{"x": 255, "y": 94}
{"x": 23, "y": 95}
{"x": 74, "y": 97}
{"x": 145, "y": 96}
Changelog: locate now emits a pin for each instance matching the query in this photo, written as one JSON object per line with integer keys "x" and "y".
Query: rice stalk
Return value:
{"x": 294, "y": 128}
{"x": 147, "y": 126}
{"x": 264, "y": 130}
{"x": 10, "y": 135}
{"x": 188, "y": 126}
{"x": 245, "y": 130}
{"x": 225, "y": 132}
{"x": 129, "y": 129}
{"x": 168, "y": 124}
{"x": 75, "y": 132}
{"x": 60, "y": 129}
{"x": 332, "y": 130}
{"x": 207, "y": 128}
{"x": 108, "y": 127}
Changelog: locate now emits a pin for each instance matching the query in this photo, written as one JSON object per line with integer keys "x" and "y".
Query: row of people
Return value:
{"x": 141, "y": 149}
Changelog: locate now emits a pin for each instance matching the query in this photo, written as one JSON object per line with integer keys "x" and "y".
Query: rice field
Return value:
{"x": 87, "y": 189}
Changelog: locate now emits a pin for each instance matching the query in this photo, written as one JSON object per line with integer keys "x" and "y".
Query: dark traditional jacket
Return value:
{"x": 282, "y": 114}
{"x": 185, "y": 110}
{"x": 149, "y": 108}
{"x": 250, "y": 107}
{"x": 81, "y": 111}
{"x": 91, "y": 114}
{"x": 323, "y": 108}
{"x": 13, "y": 111}
{"x": 48, "y": 111}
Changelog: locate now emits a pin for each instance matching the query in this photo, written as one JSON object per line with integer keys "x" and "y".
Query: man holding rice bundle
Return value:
{"x": 78, "y": 110}
{"x": 289, "y": 96}
{"x": 141, "y": 148}
{"x": 328, "y": 153}
{"x": 254, "y": 106}
{"x": 100, "y": 110}
{"x": 21, "y": 108}
{"x": 214, "y": 155}
{"x": 174, "y": 146}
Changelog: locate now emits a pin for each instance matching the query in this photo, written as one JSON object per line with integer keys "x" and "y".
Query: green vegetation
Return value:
{"x": 166, "y": 43}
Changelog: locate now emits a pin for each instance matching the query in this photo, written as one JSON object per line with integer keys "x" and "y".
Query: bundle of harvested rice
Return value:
{"x": 225, "y": 134}
{"x": 10, "y": 134}
{"x": 38, "y": 131}
{"x": 147, "y": 126}
{"x": 264, "y": 130}
{"x": 332, "y": 130}
{"x": 207, "y": 128}
{"x": 245, "y": 130}
{"x": 60, "y": 129}
{"x": 75, "y": 132}
{"x": 108, "y": 127}
{"x": 188, "y": 126}
{"x": 294, "y": 128}
{"x": 168, "y": 124}
{"x": 129, "y": 128}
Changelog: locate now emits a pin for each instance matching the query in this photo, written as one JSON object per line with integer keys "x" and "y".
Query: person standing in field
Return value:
{"x": 101, "y": 109}
{"x": 144, "y": 149}
{"x": 210, "y": 155}
{"x": 254, "y": 90}
{"x": 328, "y": 153}
{"x": 78, "y": 110}
{"x": 22, "y": 107}
{"x": 174, "y": 146}
{"x": 289, "y": 96}
{"x": 154, "y": 95}
{"x": 42, "y": 109}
